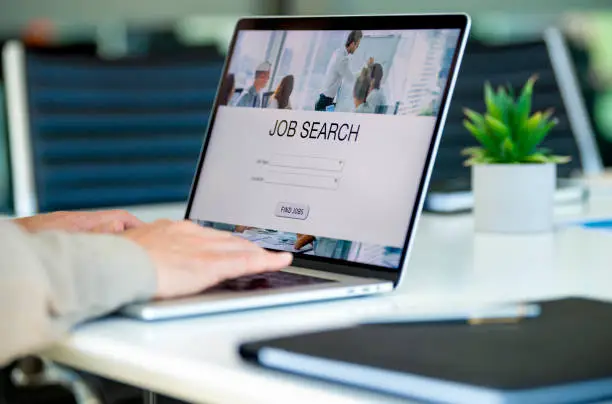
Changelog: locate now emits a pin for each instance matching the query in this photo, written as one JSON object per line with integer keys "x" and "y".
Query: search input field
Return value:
{"x": 306, "y": 162}
{"x": 301, "y": 180}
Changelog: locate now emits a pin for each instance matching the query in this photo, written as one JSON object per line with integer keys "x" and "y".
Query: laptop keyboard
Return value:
{"x": 269, "y": 280}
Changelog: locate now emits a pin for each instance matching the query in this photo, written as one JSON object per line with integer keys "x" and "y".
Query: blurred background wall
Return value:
{"x": 119, "y": 28}
{"x": 123, "y": 26}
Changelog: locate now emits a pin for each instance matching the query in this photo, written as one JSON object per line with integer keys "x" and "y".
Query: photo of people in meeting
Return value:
{"x": 374, "y": 72}
{"x": 311, "y": 72}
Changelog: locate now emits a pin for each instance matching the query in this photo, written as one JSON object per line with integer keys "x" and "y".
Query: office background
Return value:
{"x": 174, "y": 50}
{"x": 88, "y": 169}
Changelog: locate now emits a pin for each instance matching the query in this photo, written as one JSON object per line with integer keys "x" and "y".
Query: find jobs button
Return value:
{"x": 292, "y": 210}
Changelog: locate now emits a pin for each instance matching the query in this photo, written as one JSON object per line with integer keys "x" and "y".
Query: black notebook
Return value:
{"x": 562, "y": 356}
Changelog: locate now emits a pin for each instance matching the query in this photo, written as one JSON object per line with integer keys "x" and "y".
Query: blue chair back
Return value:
{"x": 116, "y": 132}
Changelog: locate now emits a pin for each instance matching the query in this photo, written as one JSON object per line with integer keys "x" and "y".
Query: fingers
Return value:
{"x": 101, "y": 221}
{"x": 114, "y": 226}
{"x": 279, "y": 260}
{"x": 188, "y": 227}
{"x": 191, "y": 237}
{"x": 190, "y": 258}
{"x": 232, "y": 252}
{"x": 233, "y": 264}
{"x": 129, "y": 221}
{"x": 228, "y": 244}
{"x": 194, "y": 242}
{"x": 183, "y": 228}
{"x": 162, "y": 222}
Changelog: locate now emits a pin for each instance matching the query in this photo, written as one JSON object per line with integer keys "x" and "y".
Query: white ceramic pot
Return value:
{"x": 514, "y": 198}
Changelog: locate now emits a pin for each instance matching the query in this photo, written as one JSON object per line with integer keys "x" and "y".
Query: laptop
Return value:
{"x": 341, "y": 188}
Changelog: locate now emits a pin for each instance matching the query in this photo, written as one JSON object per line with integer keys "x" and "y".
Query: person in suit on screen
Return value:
{"x": 339, "y": 72}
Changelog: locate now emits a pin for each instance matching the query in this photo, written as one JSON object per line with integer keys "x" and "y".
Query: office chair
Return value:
{"x": 513, "y": 64}
{"x": 86, "y": 132}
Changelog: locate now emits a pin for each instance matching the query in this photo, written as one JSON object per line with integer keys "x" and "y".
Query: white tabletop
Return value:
{"x": 196, "y": 359}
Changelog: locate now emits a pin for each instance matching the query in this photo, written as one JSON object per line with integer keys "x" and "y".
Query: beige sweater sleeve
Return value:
{"x": 51, "y": 281}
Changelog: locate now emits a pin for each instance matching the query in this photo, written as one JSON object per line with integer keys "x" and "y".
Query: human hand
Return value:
{"x": 189, "y": 258}
{"x": 107, "y": 221}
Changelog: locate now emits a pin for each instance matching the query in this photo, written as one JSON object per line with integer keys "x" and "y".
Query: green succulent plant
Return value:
{"x": 507, "y": 132}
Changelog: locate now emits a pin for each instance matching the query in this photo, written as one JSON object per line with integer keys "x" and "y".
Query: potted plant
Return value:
{"x": 513, "y": 178}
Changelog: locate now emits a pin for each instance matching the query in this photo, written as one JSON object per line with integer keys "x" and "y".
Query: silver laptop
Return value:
{"x": 321, "y": 142}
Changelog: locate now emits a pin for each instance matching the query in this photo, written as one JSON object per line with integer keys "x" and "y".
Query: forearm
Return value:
{"x": 51, "y": 281}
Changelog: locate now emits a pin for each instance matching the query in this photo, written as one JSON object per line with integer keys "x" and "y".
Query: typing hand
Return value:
{"x": 189, "y": 258}
{"x": 109, "y": 221}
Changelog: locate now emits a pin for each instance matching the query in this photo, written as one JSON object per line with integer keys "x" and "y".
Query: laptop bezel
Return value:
{"x": 458, "y": 21}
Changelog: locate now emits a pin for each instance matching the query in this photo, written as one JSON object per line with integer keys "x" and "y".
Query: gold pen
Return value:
{"x": 492, "y": 315}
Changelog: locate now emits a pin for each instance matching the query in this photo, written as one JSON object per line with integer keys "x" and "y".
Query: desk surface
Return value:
{"x": 196, "y": 359}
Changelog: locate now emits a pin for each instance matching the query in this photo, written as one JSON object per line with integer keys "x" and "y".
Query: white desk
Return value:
{"x": 195, "y": 360}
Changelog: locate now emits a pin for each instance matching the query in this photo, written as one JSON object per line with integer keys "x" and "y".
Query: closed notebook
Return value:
{"x": 562, "y": 356}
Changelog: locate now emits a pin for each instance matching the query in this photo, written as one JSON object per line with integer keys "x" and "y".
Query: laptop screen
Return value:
{"x": 320, "y": 139}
